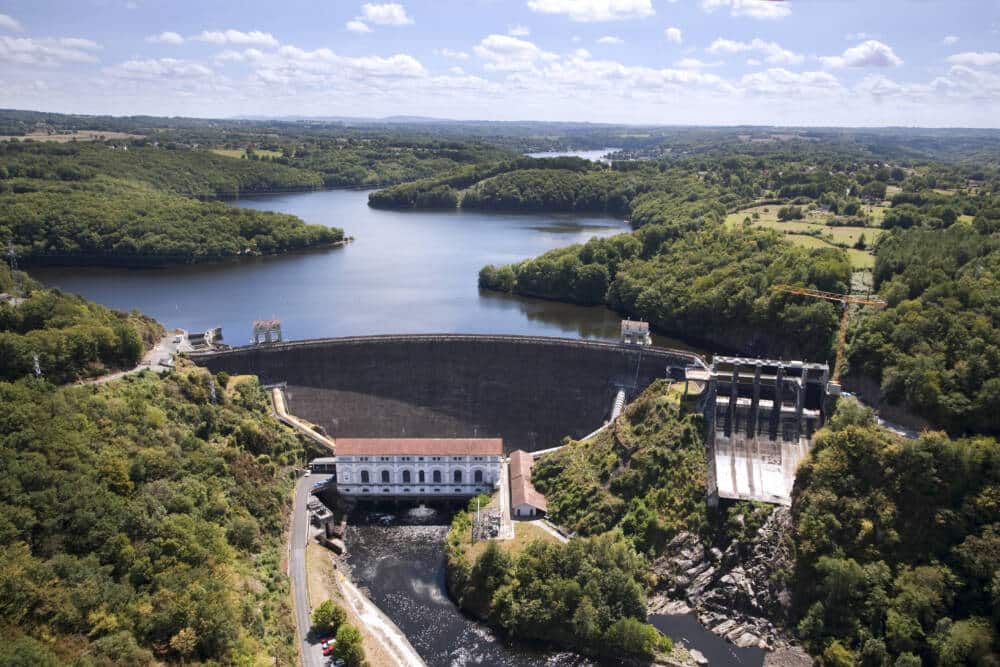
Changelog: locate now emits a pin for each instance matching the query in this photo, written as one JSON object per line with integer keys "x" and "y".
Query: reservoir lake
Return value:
{"x": 405, "y": 272}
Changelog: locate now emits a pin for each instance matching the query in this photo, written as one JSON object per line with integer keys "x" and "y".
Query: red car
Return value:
{"x": 328, "y": 645}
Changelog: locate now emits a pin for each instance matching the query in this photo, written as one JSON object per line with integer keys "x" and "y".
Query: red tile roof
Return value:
{"x": 419, "y": 447}
{"x": 522, "y": 491}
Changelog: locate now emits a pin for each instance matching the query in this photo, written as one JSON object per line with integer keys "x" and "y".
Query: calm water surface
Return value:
{"x": 594, "y": 156}
{"x": 406, "y": 272}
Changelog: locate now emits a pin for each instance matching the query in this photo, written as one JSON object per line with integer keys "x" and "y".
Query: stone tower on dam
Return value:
{"x": 529, "y": 391}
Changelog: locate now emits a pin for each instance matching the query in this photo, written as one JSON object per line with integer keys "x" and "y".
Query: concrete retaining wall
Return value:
{"x": 529, "y": 391}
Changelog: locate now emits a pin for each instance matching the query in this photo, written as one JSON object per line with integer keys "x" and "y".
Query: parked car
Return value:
{"x": 328, "y": 645}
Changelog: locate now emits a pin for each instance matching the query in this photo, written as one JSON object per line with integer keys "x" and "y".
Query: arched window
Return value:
{"x": 420, "y": 476}
{"x": 437, "y": 476}
{"x": 364, "y": 477}
{"x": 385, "y": 476}
{"x": 406, "y": 477}
{"x": 478, "y": 476}
{"x": 458, "y": 477}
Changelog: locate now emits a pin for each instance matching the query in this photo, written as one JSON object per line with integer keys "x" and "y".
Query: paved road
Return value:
{"x": 164, "y": 350}
{"x": 309, "y": 649}
{"x": 281, "y": 411}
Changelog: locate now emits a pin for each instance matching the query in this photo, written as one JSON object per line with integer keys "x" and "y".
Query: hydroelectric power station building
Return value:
{"x": 418, "y": 467}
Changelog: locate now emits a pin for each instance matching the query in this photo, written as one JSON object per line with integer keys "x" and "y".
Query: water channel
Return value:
{"x": 406, "y": 272}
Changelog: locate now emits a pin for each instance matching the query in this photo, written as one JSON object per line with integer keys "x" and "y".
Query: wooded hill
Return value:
{"x": 76, "y": 203}
{"x": 71, "y": 337}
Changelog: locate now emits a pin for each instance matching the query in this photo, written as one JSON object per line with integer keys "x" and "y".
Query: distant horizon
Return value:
{"x": 785, "y": 63}
{"x": 408, "y": 118}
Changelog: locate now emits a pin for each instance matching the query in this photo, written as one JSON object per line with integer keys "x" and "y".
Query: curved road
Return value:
{"x": 309, "y": 648}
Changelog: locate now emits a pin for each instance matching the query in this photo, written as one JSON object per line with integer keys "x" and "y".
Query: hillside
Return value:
{"x": 76, "y": 204}
{"x": 71, "y": 337}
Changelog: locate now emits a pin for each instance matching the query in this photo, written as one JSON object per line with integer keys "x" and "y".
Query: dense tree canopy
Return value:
{"x": 70, "y": 336}
{"x": 142, "y": 522}
{"x": 898, "y": 546}
{"x": 936, "y": 348}
{"x": 76, "y": 204}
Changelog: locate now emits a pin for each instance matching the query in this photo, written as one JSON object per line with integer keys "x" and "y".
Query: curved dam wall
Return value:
{"x": 529, "y": 391}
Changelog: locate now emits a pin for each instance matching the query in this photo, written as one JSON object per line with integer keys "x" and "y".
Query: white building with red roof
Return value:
{"x": 418, "y": 467}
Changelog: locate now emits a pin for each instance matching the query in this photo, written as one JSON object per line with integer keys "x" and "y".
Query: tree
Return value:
{"x": 349, "y": 647}
{"x": 328, "y": 617}
{"x": 184, "y": 642}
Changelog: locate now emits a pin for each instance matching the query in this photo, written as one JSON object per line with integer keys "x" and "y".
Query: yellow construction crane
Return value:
{"x": 846, "y": 300}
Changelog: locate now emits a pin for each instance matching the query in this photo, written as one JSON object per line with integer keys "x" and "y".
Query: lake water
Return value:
{"x": 406, "y": 272}
{"x": 593, "y": 156}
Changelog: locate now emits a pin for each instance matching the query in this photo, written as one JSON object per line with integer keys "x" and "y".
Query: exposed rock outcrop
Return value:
{"x": 740, "y": 592}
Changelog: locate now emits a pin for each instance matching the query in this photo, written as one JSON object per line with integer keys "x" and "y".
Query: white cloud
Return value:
{"x": 780, "y": 81}
{"x": 450, "y": 53}
{"x": 693, "y": 63}
{"x": 506, "y": 53}
{"x": 867, "y": 54}
{"x": 322, "y": 67}
{"x": 949, "y": 40}
{"x": 357, "y": 26}
{"x": 757, "y": 9}
{"x": 859, "y": 36}
{"x": 772, "y": 52}
{"x": 236, "y": 37}
{"x": 159, "y": 68}
{"x": 47, "y": 51}
{"x": 753, "y": 62}
{"x": 390, "y": 13}
{"x": 674, "y": 35}
{"x": 456, "y": 70}
{"x": 10, "y": 23}
{"x": 165, "y": 37}
{"x": 518, "y": 31}
{"x": 610, "y": 39}
{"x": 976, "y": 58}
{"x": 589, "y": 11}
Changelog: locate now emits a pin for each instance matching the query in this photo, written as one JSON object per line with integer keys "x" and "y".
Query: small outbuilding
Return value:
{"x": 525, "y": 500}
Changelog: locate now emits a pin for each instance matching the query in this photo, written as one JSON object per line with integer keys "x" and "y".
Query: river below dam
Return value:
{"x": 398, "y": 559}
{"x": 406, "y": 272}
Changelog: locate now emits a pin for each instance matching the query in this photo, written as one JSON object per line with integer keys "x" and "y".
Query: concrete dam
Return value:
{"x": 530, "y": 391}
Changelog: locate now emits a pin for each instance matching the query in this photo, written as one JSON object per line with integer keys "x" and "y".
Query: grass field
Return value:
{"x": 524, "y": 534}
{"x": 75, "y": 135}
{"x": 238, "y": 153}
{"x": 799, "y": 231}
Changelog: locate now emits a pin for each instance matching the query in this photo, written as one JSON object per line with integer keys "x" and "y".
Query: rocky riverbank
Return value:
{"x": 739, "y": 592}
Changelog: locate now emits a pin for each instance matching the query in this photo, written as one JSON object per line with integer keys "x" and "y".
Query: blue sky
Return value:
{"x": 720, "y": 62}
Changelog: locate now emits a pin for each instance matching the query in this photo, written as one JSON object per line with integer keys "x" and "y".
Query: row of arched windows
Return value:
{"x": 421, "y": 479}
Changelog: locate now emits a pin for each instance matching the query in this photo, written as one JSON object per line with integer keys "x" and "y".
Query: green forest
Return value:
{"x": 586, "y": 595}
{"x": 142, "y": 522}
{"x": 71, "y": 337}
{"x": 898, "y": 546}
{"x": 91, "y": 204}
